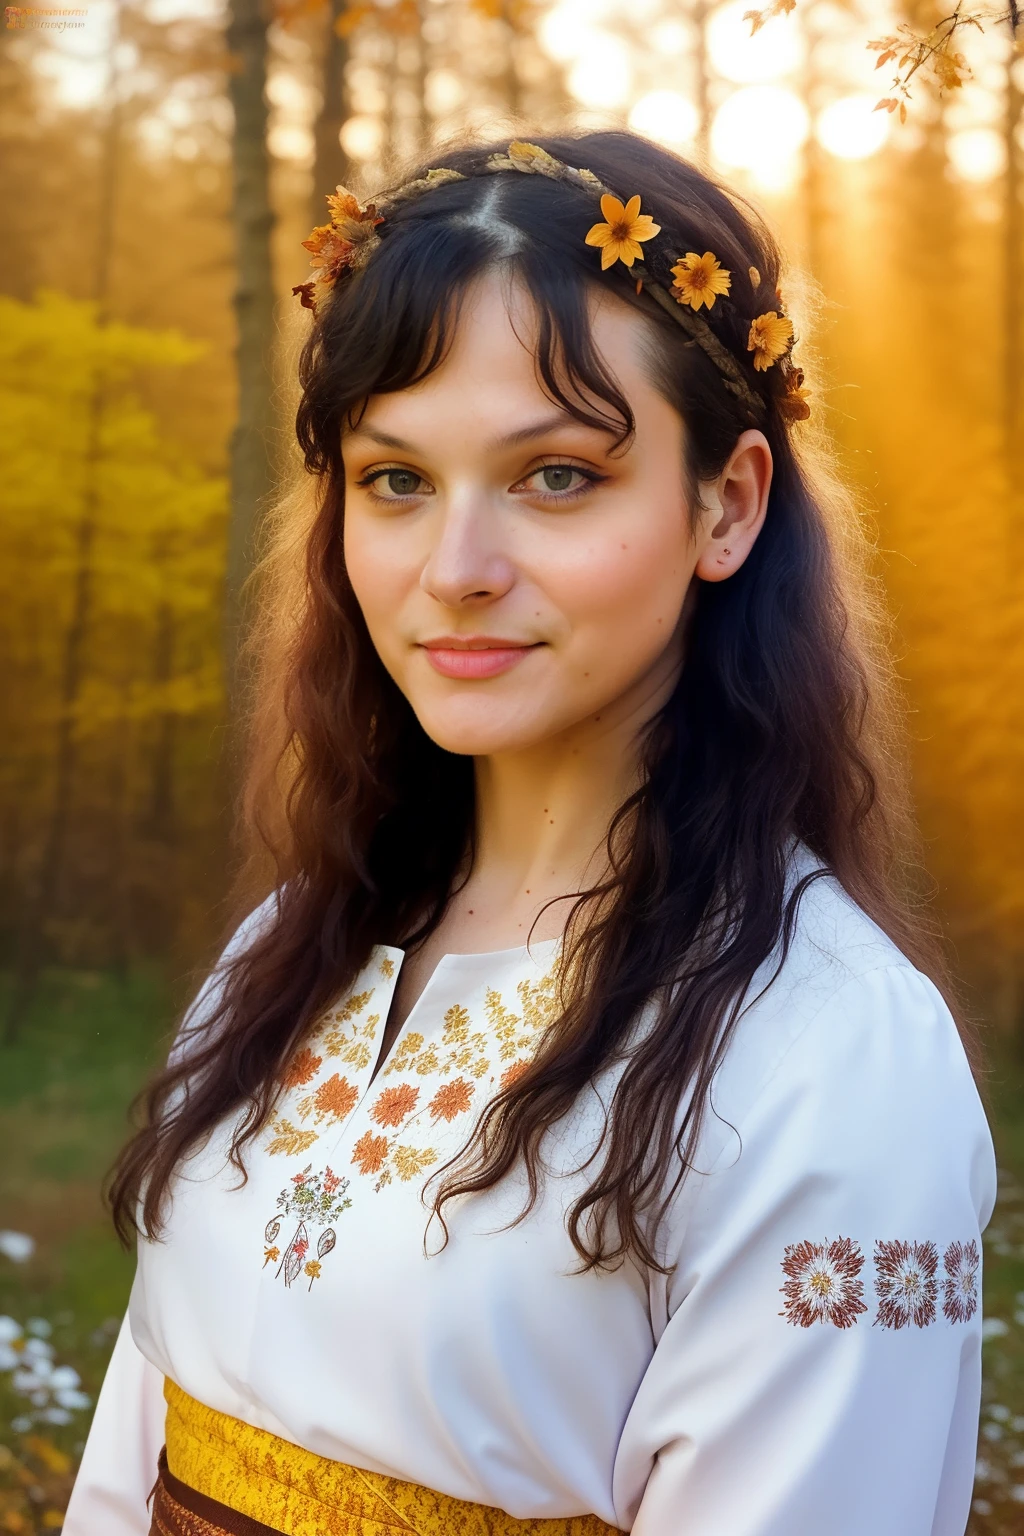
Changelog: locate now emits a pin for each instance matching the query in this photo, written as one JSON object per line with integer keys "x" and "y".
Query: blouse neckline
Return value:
{"x": 470, "y": 959}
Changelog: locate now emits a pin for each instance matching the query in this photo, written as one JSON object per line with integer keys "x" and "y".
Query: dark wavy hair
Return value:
{"x": 780, "y": 726}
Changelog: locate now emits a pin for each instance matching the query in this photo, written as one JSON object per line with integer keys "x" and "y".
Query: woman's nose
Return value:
{"x": 467, "y": 563}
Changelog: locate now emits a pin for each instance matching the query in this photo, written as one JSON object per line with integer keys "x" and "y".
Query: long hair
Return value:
{"x": 779, "y": 727}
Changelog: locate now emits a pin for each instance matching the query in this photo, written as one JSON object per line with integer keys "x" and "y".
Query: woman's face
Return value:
{"x": 521, "y": 578}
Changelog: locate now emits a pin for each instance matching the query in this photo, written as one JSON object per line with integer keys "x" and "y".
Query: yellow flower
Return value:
{"x": 770, "y": 338}
{"x": 620, "y": 237}
{"x": 700, "y": 279}
{"x": 313, "y": 1269}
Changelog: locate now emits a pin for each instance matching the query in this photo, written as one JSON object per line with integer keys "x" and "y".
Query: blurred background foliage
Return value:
{"x": 160, "y": 160}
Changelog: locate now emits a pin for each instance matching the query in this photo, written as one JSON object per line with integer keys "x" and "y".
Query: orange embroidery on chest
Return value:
{"x": 395, "y": 1104}
{"x": 369, "y": 1152}
{"x": 513, "y": 1073}
{"x": 451, "y": 1099}
{"x": 301, "y": 1069}
{"x": 335, "y": 1099}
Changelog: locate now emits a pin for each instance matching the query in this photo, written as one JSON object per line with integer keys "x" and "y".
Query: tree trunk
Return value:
{"x": 702, "y": 71}
{"x": 44, "y": 898}
{"x": 331, "y": 163}
{"x": 252, "y": 452}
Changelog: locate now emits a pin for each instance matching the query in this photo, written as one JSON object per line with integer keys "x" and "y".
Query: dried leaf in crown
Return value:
{"x": 793, "y": 404}
{"x": 345, "y": 243}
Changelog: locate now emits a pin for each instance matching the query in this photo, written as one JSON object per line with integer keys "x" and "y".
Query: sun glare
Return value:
{"x": 665, "y": 116}
{"x": 775, "y": 51}
{"x": 602, "y": 73}
{"x": 760, "y": 129}
{"x": 362, "y": 136}
{"x": 851, "y": 128}
{"x": 977, "y": 154}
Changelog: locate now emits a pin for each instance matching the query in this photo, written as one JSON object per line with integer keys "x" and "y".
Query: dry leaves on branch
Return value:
{"x": 912, "y": 50}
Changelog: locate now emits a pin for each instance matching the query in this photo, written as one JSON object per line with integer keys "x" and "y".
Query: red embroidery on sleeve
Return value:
{"x": 905, "y": 1283}
{"x": 822, "y": 1284}
{"x": 960, "y": 1287}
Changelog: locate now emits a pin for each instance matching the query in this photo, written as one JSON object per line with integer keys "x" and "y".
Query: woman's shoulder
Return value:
{"x": 843, "y": 1103}
{"x": 846, "y": 1033}
{"x": 206, "y": 1003}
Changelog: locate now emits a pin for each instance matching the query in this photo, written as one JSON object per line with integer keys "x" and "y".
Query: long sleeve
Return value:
{"x": 119, "y": 1464}
{"x": 118, "y": 1467}
{"x": 818, "y": 1367}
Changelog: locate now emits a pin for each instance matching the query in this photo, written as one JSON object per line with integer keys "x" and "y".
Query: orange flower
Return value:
{"x": 369, "y": 1152}
{"x": 394, "y": 1104}
{"x": 270, "y": 1256}
{"x": 335, "y": 1097}
{"x": 619, "y": 238}
{"x": 770, "y": 338}
{"x": 300, "y": 1069}
{"x": 699, "y": 280}
{"x": 513, "y": 1073}
{"x": 451, "y": 1099}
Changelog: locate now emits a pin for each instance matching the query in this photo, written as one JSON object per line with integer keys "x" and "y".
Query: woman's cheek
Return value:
{"x": 625, "y": 606}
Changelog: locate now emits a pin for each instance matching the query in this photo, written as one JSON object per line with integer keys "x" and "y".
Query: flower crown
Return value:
{"x": 348, "y": 241}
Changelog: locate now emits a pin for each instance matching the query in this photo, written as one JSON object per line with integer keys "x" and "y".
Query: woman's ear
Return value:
{"x": 736, "y": 504}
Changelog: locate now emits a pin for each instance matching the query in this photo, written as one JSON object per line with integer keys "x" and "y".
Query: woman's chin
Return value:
{"x": 470, "y": 730}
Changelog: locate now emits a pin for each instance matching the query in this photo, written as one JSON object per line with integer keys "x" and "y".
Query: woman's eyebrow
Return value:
{"x": 510, "y": 440}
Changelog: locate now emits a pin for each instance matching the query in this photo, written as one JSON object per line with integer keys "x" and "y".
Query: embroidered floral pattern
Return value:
{"x": 823, "y": 1283}
{"x": 369, "y": 1152}
{"x": 395, "y": 1105}
{"x": 301, "y": 1069}
{"x": 288, "y": 1140}
{"x": 461, "y": 1050}
{"x": 409, "y": 1162}
{"x": 317, "y": 1098}
{"x": 513, "y": 1073}
{"x": 451, "y": 1099}
{"x": 314, "y": 1200}
{"x": 905, "y": 1283}
{"x": 334, "y": 1099}
{"x": 960, "y": 1287}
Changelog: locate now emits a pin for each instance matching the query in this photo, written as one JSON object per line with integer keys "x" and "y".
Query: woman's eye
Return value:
{"x": 397, "y": 482}
{"x": 558, "y": 477}
{"x": 557, "y": 480}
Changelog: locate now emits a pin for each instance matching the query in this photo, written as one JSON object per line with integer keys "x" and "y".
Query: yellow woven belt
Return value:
{"x": 301, "y": 1494}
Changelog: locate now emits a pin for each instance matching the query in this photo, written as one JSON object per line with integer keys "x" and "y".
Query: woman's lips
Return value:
{"x": 475, "y": 660}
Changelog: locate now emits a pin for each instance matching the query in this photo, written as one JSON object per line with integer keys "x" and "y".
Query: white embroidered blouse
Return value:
{"x": 811, "y": 1362}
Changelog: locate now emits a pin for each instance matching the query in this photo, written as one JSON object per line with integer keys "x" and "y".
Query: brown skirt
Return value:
{"x": 180, "y": 1511}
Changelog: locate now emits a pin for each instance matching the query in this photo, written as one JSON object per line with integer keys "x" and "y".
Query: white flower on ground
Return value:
{"x": 17, "y": 1246}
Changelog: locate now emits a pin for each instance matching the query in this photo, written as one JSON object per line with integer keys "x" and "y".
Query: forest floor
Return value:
{"x": 65, "y": 1085}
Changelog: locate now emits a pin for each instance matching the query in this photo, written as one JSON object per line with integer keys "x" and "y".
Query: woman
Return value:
{"x": 577, "y": 1138}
